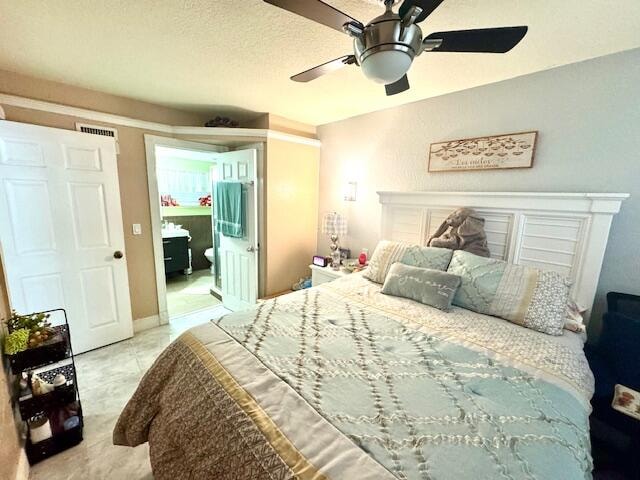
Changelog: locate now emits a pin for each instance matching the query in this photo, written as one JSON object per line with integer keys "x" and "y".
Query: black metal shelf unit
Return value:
{"x": 53, "y": 357}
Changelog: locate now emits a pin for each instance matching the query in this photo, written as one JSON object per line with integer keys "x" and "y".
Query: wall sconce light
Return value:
{"x": 350, "y": 190}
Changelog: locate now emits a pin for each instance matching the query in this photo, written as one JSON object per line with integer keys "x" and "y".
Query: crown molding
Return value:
{"x": 288, "y": 137}
{"x": 44, "y": 106}
{"x": 247, "y": 132}
{"x": 31, "y": 104}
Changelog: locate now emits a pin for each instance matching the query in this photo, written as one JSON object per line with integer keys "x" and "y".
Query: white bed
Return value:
{"x": 341, "y": 381}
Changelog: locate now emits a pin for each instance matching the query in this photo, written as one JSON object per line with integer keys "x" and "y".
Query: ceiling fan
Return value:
{"x": 387, "y": 45}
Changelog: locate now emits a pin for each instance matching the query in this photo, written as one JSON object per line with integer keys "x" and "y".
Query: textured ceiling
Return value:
{"x": 233, "y": 56}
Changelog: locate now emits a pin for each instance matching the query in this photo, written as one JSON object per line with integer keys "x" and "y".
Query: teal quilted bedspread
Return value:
{"x": 422, "y": 406}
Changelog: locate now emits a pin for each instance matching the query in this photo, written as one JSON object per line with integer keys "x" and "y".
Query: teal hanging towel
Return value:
{"x": 230, "y": 215}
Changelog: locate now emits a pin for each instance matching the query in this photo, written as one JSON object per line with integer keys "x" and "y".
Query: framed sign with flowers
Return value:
{"x": 513, "y": 150}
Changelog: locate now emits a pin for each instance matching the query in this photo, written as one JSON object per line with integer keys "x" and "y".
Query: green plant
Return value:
{"x": 32, "y": 322}
{"x": 37, "y": 324}
{"x": 16, "y": 341}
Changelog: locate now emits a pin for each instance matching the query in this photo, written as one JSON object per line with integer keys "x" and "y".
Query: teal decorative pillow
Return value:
{"x": 533, "y": 298}
{"x": 424, "y": 285}
{"x": 427, "y": 257}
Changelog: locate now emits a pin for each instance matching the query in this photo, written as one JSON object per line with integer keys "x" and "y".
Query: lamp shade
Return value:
{"x": 387, "y": 66}
{"x": 334, "y": 224}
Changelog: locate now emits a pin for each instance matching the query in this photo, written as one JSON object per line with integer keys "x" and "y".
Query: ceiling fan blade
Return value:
{"x": 317, "y": 11}
{"x": 398, "y": 86}
{"x": 323, "y": 69}
{"x": 483, "y": 40}
{"x": 427, "y": 6}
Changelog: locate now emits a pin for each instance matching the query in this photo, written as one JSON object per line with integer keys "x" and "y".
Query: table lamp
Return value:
{"x": 334, "y": 225}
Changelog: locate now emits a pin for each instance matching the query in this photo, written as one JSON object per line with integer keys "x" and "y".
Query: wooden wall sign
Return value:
{"x": 513, "y": 150}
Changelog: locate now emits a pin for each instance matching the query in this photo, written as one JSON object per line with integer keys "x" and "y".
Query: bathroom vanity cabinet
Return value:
{"x": 176, "y": 254}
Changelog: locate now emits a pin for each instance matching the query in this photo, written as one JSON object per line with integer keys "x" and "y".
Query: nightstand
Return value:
{"x": 615, "y": 435}
{"x": 321, "y": 275}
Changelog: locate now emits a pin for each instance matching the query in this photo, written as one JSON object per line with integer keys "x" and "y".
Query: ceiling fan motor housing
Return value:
{"x": 386, "y": 48}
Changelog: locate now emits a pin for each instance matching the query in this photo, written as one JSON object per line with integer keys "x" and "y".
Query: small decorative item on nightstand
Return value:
{"x": 334, "y": 225}
{"x": 351, "y": 265}
{"x": 363, "y": 258}
{"x": 320, "y": 261}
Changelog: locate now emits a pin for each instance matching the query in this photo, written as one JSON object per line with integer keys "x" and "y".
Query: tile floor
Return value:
{"x": 190, "y": 293}
{"x": 107, "y": 377}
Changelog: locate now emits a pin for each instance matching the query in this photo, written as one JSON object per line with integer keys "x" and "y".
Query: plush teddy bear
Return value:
{"x": 461, "y": 230}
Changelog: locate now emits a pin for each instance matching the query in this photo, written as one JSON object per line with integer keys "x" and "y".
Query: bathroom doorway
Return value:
{"x": 185, "y": 179}
{"x": 180, "y": 176}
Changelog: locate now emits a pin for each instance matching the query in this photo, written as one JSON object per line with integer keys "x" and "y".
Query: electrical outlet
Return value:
{"x": 137, "y": 229}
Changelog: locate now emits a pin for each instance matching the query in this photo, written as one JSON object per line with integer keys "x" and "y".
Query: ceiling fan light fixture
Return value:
{"x": 386, "y": 66}
{"x": 386, "y": 46}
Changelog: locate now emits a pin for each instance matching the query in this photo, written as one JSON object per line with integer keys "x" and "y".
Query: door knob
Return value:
{"x": 251, "y": 249}
{"x": 118, "y": 254}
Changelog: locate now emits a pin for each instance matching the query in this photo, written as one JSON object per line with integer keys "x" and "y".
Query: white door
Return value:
{"x": 61, "y": 230}
{"x": 239, "y": 256}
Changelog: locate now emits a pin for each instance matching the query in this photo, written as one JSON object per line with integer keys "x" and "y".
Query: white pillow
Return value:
{"x": 386, "y": 254}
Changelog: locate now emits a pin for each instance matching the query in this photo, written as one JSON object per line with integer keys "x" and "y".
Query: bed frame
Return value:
{"x": 565, "y": 232}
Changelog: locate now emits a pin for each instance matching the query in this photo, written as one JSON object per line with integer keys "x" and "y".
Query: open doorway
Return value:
{"x": 185, "y": 187}
{"x": 181, "y": 229}
{"x": 200, "y": 261}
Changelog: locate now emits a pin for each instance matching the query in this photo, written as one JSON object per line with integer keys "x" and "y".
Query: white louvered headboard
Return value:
{"x": 565, "y": 232}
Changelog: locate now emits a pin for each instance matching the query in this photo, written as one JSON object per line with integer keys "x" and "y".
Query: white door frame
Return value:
{"x": 150, "y": 143}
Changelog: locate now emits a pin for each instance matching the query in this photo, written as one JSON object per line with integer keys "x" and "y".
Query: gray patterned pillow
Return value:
{"x": 427, "y": 257}
{"x": 533, "y": 298}
{"x": 385, "y": 255}
{"x": 424, "y": 285}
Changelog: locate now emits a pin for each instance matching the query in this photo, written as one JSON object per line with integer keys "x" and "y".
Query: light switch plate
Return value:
{"x": 137, "y": 229}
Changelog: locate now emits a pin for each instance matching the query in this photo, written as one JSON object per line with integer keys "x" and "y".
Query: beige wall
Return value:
{"x": 588, "y": 120}
{"x": 9, "y": 441}
{"x": 292, "y": 206}
{"x": 291, "y": 126}
{"x": 30, "y": 87}
{"x": 292, "y": 170}
{"x": 132, "y": 168}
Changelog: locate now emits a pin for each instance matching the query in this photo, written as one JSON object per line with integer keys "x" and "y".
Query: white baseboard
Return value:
{"x": 146, "y": 323}
{"x": 22, "y": 472}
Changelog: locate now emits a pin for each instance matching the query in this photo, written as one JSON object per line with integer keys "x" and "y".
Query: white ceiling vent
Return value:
{"x": 99, "y": 130}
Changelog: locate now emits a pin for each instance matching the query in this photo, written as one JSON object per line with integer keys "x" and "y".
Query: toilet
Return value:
{"x": 211, "y": 257}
